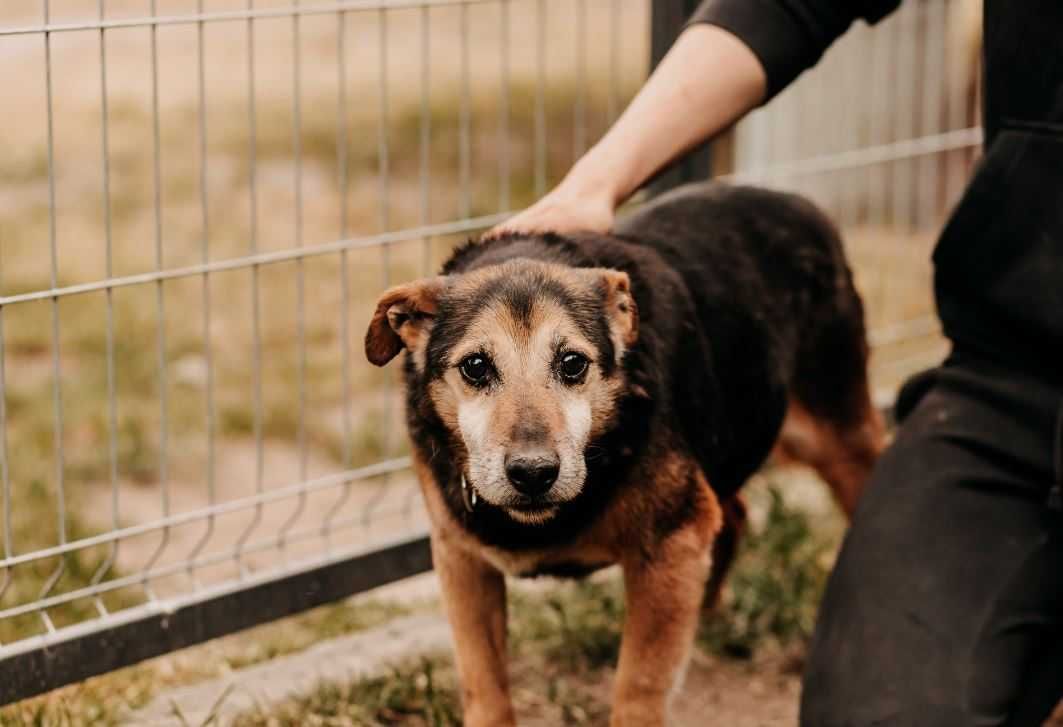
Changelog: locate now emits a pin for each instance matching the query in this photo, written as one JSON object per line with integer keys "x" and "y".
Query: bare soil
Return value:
{"x": 716, "y": 692}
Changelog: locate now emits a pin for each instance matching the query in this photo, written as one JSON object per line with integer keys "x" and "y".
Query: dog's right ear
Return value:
{"x": 403, "y": 317}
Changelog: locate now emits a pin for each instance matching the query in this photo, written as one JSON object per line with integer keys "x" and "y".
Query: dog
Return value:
{"x": 578, "y": 401}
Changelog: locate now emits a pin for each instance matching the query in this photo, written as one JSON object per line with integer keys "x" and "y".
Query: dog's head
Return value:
{"x": 521, "y": 361}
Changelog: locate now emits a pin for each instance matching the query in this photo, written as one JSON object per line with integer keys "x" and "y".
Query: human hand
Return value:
{"x": 565, "y": 209}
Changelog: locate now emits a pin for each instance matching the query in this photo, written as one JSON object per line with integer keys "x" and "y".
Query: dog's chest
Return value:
{"x": 597, "y": 548}
{"x": 574, "y": 561}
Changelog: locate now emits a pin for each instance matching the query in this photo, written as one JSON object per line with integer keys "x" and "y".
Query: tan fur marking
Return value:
{"x": 474, "y": 598}
{"x": 665, "y": 585}
{"x": 475, "y": 602}
{"x": 664, "y": 595}
{"x": 666, "y": 555}
{"x": 527, "y": 395}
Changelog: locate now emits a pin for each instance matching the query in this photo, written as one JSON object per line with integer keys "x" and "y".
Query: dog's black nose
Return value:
{"x": 532, "y": 475}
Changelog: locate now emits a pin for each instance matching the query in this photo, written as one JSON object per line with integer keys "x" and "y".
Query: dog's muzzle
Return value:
{"x": 533, "y": 476}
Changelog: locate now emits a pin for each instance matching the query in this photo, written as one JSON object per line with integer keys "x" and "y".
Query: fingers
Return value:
{"x": 532, "y": 220}
{"x": 561, "y": 216}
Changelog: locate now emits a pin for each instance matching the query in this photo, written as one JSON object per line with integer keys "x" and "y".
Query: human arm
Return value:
{"x": 675, "y": 110}
{"x": 734, "y": 55}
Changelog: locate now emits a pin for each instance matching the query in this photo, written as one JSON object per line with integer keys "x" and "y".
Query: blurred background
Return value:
{"x": 200, "y": 201}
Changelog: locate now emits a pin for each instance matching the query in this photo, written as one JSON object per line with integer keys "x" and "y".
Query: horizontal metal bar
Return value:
{"x": 233, "y": 15}
{"x": 35, "y": 666}
{"x": 157, "y": 572}
{"x": 894, "y": 151}
{"x": 918, "y": 361}
{"x": 904, "y": 331}
{"x": 265, "y": 258}
{"x": 319, "y": 483}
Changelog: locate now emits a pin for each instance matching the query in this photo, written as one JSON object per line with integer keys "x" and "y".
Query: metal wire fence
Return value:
{"x": 202, "y": 202}
{"x": 883, "y": 134}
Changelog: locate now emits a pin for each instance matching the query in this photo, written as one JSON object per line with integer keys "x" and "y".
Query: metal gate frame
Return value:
{"x": 39, "y": 664}
{"x": 62, "y": 656}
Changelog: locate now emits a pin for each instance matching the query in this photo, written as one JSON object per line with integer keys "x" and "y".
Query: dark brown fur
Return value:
{"x": 709, "y": 314}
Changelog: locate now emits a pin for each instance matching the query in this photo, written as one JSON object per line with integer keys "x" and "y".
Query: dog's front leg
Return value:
{"x": 474, "y": 595}
{"x": 664, "y": 594}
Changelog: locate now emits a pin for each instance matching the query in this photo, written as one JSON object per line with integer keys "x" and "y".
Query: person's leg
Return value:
{"x": 947, "y": 598}
{"x": 1042, "y": 688}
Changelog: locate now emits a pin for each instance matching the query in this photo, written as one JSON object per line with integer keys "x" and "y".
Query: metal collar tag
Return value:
{"x": 468, "y": 494}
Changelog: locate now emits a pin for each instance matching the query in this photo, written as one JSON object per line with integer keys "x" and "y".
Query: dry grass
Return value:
{"x": 564, "y": 641}
{"x": 168, "y": 322}
{"x": 109, "y": 699}
{"x": 178, "y": 330}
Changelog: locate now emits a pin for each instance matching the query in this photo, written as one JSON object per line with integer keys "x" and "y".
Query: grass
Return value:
{"x": 107, "y": 700}
{"x": 572, "y": 630}
{"x": 576, "y": 625}
{"x": 91, "y": 361}
{"x": 563, "y": 643}
{"x": 88, "y": 356}
{"x": 772, "y": 595}
{"x": 421, "y": 692}
{"x": 84, "y": 348}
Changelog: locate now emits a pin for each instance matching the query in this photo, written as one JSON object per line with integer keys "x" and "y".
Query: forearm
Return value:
{"x": 707, "y": 80}
{"x": 736, "y": 55}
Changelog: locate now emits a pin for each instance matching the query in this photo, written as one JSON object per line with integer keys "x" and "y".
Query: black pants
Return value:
{"x": 946, "y": 604}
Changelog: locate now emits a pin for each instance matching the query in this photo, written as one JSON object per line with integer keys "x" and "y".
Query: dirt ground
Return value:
{"x": 735, "y": 694}
{"x": 716, "y": 692}
{"x": 742, "y": 695}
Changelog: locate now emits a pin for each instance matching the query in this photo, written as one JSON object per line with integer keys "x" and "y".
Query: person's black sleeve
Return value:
{"x": 788, "y": 36}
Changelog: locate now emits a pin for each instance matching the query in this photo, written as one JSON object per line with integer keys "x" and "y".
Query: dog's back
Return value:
{"x": 582, "y": 400}
{"x": 775, "y": 308}
{"x": 755, "y": 260}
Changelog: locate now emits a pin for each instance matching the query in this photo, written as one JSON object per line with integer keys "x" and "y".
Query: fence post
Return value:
{"x": 668, "y": 18}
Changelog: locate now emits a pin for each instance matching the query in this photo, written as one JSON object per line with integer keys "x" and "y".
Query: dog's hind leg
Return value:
{"x": 831, "y": 423}
{"x": 843, "y": 455}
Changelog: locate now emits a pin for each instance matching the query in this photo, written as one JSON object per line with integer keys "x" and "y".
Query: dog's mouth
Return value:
{"x": 532, "y": 514}
{"x": 525, "y": 511}
{"x": 532, "y": 507}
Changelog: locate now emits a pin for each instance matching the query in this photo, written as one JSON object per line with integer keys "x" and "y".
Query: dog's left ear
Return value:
{"x": 620, "y": 307}
{"x": 403, "y": 317}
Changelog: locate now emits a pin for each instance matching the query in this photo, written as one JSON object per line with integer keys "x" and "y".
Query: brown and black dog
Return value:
{"x": 580, "y": 401}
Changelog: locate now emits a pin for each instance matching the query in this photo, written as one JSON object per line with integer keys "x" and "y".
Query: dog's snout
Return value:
{"x": 532, "y": 474}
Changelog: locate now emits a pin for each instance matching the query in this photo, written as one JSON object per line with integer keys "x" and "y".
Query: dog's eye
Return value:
{"x": 572, "y": 367}
{"x": 476, "y": 369}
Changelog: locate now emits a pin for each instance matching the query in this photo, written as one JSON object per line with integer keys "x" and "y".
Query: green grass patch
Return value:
{"x": 773, "y": 592}
{"x": 577, "y": 624}
{"x": 564, "y": 641}
{"x": 418, "y": 693}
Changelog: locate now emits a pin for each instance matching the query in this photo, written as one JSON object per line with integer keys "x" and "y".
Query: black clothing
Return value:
{"x": 999, "y": 264}
{"x": 945, "y": 608}
{"x": 1023, "y": 48}
{"x": 789, "y": 36}
{"x": 946, "y": 605}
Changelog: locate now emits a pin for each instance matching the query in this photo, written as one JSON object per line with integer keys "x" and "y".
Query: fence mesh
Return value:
{"x": 883, "y": 134}
{"x": 206, "y": 200}
{"x": 203, "y": 199}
